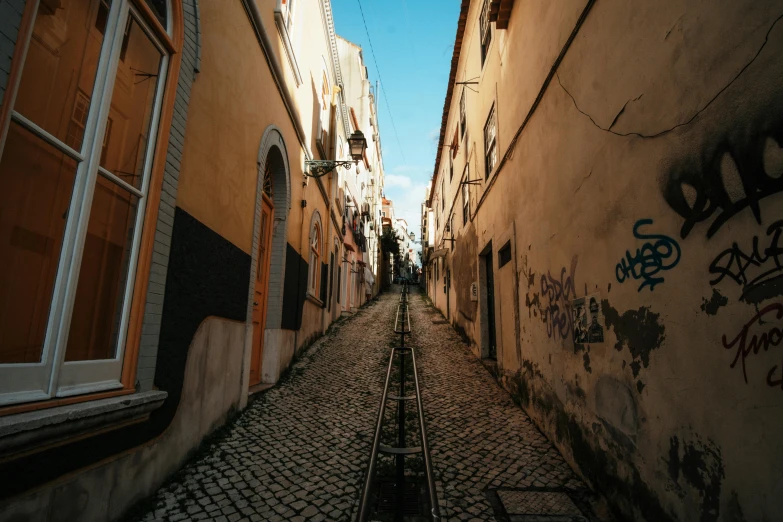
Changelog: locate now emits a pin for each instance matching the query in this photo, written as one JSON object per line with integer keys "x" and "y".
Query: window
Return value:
{"x": 74, "y": 197}
{"x": 314, "y": 279}
{"x": 451, "y": 167}
{"x": 442, "y": 195}
{"x": 490, "y": 143}
{"x": 465, "y": 196}
{"x": 288, "y": 13}
{"x": 462, "y": 117}
{"x": 486, "y": 31}
{"x": 268, "y": 187}
{"x": 504, "y": 254}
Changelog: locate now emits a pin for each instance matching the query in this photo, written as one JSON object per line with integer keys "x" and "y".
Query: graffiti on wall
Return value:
{"x": 759, "y": 271}
{"x": 658, "y": 254}
{"x": 558, "y": 293}
{"x": 766, "y": 335}
{"x": 736, "y": 171}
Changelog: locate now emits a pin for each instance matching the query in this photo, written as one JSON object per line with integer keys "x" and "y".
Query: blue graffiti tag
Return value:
{"x": 649, "y": 260}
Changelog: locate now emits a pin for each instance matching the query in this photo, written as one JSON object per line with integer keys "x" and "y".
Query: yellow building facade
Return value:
{"x": 164, "y": 251}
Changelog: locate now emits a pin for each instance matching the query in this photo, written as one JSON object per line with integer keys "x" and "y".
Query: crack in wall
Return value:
{"x": 580, "y": 185}
{"x": 690, "y": 120}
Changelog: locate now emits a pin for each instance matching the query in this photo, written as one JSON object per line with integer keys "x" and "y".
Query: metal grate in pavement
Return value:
{"x": 539, "y": 506}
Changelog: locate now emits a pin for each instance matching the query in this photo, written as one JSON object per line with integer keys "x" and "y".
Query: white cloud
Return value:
{"x": 392, "y": 180}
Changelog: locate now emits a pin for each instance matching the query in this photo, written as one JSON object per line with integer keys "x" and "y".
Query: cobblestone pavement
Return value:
{"x": 479, "y": 439}
{"x": 299, "y": 452}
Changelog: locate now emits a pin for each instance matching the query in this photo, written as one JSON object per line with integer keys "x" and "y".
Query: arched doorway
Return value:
{"x": 269, "y": 247}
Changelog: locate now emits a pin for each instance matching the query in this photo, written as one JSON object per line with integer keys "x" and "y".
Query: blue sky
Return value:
{"x": 413, "y": 42}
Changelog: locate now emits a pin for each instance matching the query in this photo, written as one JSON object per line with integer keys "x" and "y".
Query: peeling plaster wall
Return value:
{"x": 649, "y": 177}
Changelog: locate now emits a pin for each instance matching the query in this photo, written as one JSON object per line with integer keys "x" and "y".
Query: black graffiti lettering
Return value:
{"x": 751, "y": 269}
{"x": 694, "y": 188}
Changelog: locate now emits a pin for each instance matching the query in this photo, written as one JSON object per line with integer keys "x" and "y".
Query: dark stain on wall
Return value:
{"x": 207, "y": 276}
{"x": 586, "y": 361}
{"x": 580, "y": 347}
{"x": 576, "y": 391}
{"x": 464, "y": 265}
{"x": 716, "y": 301}
{"x": 639, "y": 330}
{"x": 733, "y": 512}
{"x": 532, "y": 304}
{"x": 699, "y": 465}
{"x": 594, "y": 450}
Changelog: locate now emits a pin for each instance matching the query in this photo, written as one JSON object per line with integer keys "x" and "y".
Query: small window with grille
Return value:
{"x": 504, "y": 254}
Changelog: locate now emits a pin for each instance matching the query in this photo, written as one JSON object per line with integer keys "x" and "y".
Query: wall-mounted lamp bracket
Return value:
{"x": 318, "y": 168}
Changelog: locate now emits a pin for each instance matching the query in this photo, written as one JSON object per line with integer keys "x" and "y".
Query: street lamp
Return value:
{"x": 357, "y": 145}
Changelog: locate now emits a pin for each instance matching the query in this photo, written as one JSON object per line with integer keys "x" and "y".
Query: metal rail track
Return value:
{"x": 402, "y": 326}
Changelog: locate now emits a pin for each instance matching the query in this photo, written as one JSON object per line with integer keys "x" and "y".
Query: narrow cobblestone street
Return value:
{"x": 299, "y": 451}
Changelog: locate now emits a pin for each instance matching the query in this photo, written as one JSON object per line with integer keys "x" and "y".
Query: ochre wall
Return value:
{"x": 232, "y": 103}
{"x": 660, "y": 134}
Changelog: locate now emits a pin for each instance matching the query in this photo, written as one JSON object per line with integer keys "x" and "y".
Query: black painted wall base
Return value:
{"x": 207, "y": 276}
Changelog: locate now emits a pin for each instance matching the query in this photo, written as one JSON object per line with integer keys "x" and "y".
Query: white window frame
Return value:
{"x": 314, "y": 276}
{"x": 52, "y": 376}
{"x": 289, "y": 13}
{"x": 490, "y": 145}
{"x": 465, "y": 195}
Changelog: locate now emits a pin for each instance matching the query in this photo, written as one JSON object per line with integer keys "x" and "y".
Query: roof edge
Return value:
{"x": 461, "y": 23}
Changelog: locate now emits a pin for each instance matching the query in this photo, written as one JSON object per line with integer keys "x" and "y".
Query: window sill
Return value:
{"x": 37, "y": 430}
{"x": 314, "y": 299}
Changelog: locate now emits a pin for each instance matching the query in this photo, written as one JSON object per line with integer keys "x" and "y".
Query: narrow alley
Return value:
{"x": 217, "y": 215}
{"x": 299, "y": 451}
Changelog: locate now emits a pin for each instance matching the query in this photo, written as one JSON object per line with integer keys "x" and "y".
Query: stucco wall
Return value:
{"x": 106, "y": 490}
{"x": 231, "y": 105}
{"x": 657, "y": 144}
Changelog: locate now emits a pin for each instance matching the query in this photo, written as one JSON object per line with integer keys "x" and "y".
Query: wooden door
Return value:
{"x": 260, "y": 290}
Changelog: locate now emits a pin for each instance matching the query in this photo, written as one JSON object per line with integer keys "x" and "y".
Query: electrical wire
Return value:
{"x": 380, "y": 79}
